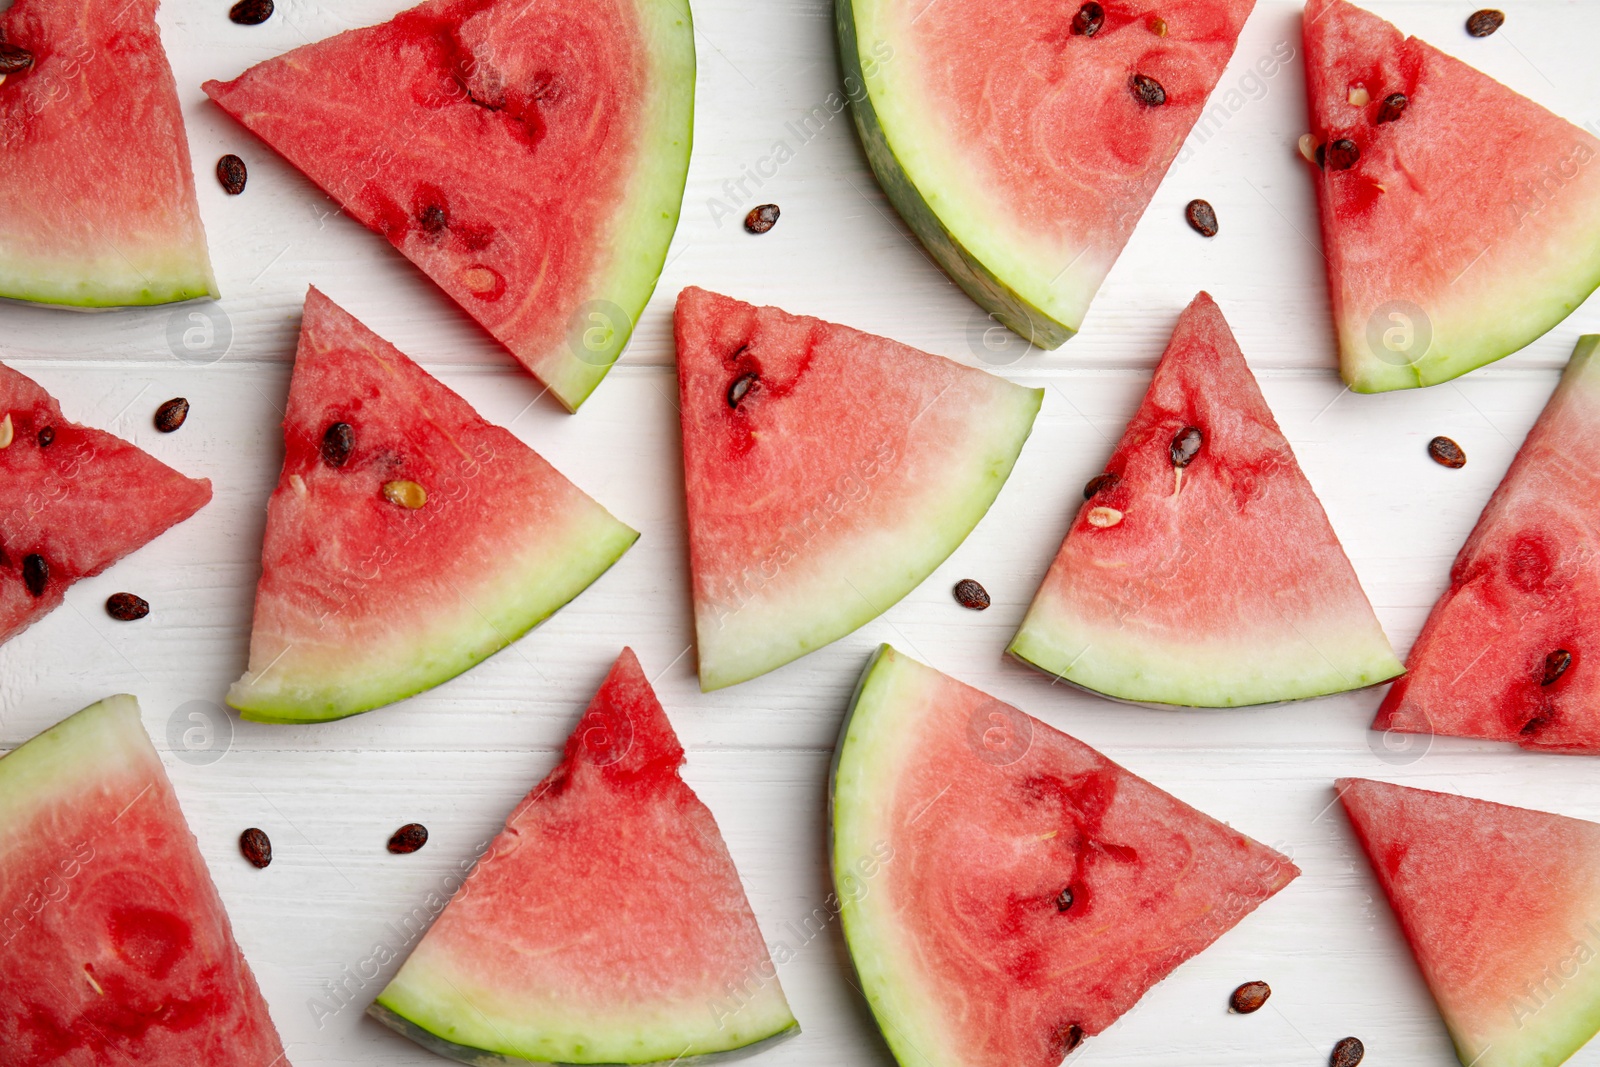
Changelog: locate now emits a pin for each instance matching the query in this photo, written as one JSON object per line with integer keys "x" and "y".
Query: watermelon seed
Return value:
{"x": 762, "y": 218}
{"x": 1359, "y": 97}
{"x": 14, "y": 59}
{"x": 251, "y": 12}
{"x": 1483, "y": 23}
{"x": 35, "y": 574}
{"x": 1071, "y": 1038}
{"x": 409, "y": 838}
{"x": 741, "y": 387}
{"x": 232, "y": 174}
{"x": 338, "y": 441}
{"x": 1185, "y": 446}
{"x": 1148, "y": 90}
{"x": 433, "y": 219}
{"x": 1447, "y": 453}
{"x": 1100, "y": 483}
{"x": 1249, "y": 998}
{"x": 1555, "y": 665}
{"x": 1104, "y": 518}
{"x": 7, "y": 432}
{"x": 1343, "y": 154}
{"x": 970, "y": 594}
{"x": 46, "y": 436}
{"x": 1064, "y": 901}
{"x": 405, "y": 493}
{"x": 1202, "y": 218}
{"x": 1088, "y": 20}
{"x": 1347, "y": 1053}
{"x": 125, "y": 607}
{"x": 1158, "y": 25}
{"x": 1309, "y": 147}
{"x": 1322, "y": 156}
{"x": 256, "y": 846}
{"x": 1394, "y": 105}
{"x": 170, "y": 416}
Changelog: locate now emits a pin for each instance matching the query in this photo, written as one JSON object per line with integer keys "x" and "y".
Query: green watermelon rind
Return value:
{"x": 992, "y": 293}
{"x": 54, "y": 764}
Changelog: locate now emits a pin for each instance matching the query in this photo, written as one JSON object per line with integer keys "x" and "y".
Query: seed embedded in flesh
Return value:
{"x": 14, "y": 59}
{"x": 170, "y": 416}
{"x": 1202, "y": 217}
{"x": 251, "y": 12}
{"x": 35, "y": 574}
{"x": 125, "y": 607}
{"x": 1484, "y": 22}
{"x": 1088, "y": 20}
{"x": 1347, "y": 1053}
{"x": 1158, "y": 25}
{"x": 409, "y": 838}
{"x": 1358, "y": 96}
{"x": 433, "y": 219}
{"x": 1104, "y": 518}
{"x": 1100, "y": 483}
{"x": 970, "y": 594}
{"x": 256, "y": 847}
{"x": 232, "y": 174}
{"x": 1447, "y": 453}
{"x": 1064, "y": 901}
{"x": 338, "y": 441}
{"x": 762, "y": 218}
{"x": 741, "y": 388}
{"x": 1185, "y": 446}
{"x": 7, "y": 432}
{"x": 1394, "y": 105}
{"x": 1148, "y": 90}
{"x": 1071, "y": 1038}
{"x": 1343, "y": 154}
{"x": 1249, "y": 997}
{"x": 46, "y": 436}
{"x": 1555, "y": 665}
{"x": 407, "y": 494}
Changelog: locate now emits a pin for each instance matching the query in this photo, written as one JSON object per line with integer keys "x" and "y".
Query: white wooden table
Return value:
{"x": 457, "y": 758}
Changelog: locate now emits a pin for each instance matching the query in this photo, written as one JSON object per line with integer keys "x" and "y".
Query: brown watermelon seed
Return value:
{"x": 1202, "y": 218}
{"x": 970, "y": 594}
{"x": 1185, "y": 446}
{"x": 1394, "y": 105}
{"x": 409, "y": 838}
{"x": 1064, "y": 901}
{"x": 741, "y": 388}
{"x": 1100, "y": 483}
{"x": 46, "y": 436}
{"x": 1158, "y": 25}
{"x": 1071, "y": 1038}
{"x": 1447, "y": 453}
{"x": 8, "y": 431}
{"x": 1088, "y": 20}
{"x": 1148, "y": 90}
{"x": 338, "y": 441}
{"x": 406, "y": 494}
{"x": 1343, "y": 154}
{"x": 14, "y": 59}
{"x": 251, "y": 12}
{"x": 1249, "y": 997}
{"x": 232, "y": 174}
{"x": 1555, "y": 665}
{"x": 1347, "y": 1053}
{"x": 762, "y": 218}
{"x": 125, "y": 607}
{"x": 1483, "y": 23}
{"x": 170, "y": 416}
{"x": 433, "y": 219}
{"x": 256, "y": 846}
{"x": 35, "y": 574}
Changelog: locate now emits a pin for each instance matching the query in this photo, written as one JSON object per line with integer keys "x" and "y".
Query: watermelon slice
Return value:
{"x": 528, "y": 155}
{"x": 1504, "y": 653}
{"x": 114, "y": 947}
{"x": 97, "y": 201}
{"x": 1046, "y": 892}
{"x": 1470, "y": 223}
{"x": 1213, "y": 584}
{"x": 1018, "y": 146}
{"x": 828, "y": 471}
{"x": 605, "y": 925}
{"x": 1501, "y": 907}
{"x": 73, "y": 501}
{"x": 408, "y": 546}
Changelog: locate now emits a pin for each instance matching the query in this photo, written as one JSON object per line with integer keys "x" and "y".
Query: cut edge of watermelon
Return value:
{"x": 54, "y": 763}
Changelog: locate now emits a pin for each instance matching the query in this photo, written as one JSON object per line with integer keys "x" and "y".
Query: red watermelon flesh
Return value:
{"x": 1501, "y": 907}
{"x": 96, "y": 194}
{"x": 528, "y": 155}
{"x": 114, "y": 946}
{"x": 1009, "y": 891}
{"x": 1505, "y": 653}
{"x": 1215, "y": 585}
{"x": 828, "y": 473}
{"x": 1470, "y": 224}
{"x": 606, "y": 924}
{"x": 80, "y": 502}
{"x": 364, "y": 598}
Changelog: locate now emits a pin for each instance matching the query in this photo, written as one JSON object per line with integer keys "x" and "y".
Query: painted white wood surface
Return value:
{"x": 459, "y": 757}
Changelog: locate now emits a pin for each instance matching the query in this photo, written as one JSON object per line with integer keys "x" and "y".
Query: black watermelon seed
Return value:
{"x": 1100, "y": 483}
{"x": 1088, "y": 20}
{"x": 125, "y": 607}
{"x": 338, "y": 441}
{"x": 1070, "y": 1038}
{"x": 762, "y": 218}
{"x": 1322, "y": 156}
{"x": 1148, "y": 91}
{"x": 1185, "y": 446}
{"x": 1064, "y": 901}
{"x": 1202, "y": 218}
{"x": 35, "y": 574}
{"x": 170, "y": 416}
{"x": 14, "y": 58}
{"x": 741, "y": 388}
{"x": 1249, "y": 997}
{"x": 1394, "y": 105}
{"x": 1347, "y": 1053}
{"x": 256, "y": 847}
{"x": 1483, "y": 23}
{"x": 409, "y": 838}
{"x": 433, "y": 218}
{"x": 1555, "y": 665}
{"x": 251, "y": 12}
{"x": 232, "y": 174}
{"x": 1343, "y": 154}
{"x": 970, "y": 594}
{"x": 46, "y": 436}
{"x": 1447, "y": 453}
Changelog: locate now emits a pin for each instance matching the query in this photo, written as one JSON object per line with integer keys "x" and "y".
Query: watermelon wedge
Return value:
{"x": 73, "y": 501}
{"x": 1201, "y": 569}
{"x": 1008, "y": 891}
{"x": 407, "y": 539}
{"x": 605, "y": 925}
{"x": 528, "y": 155}
{"x": 114, "y": 946}
{"x": 97, "y": 200}
{"x": 1022, "y": 139}
{"x": 1504, "y": 653}
{"x": 1460, "y": 220}
{"x": 1501, "y": 907}
{"x": 828, "y": 473}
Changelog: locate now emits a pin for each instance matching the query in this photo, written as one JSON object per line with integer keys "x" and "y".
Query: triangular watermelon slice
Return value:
{"x": 528, "y": 155}
{"x": 1501, "y": 907}
{"x": 1201, "y": 569}
{"x": 1505, "y": 652}
{"x": 1008, "y": 891}
{"x": 407, "y": 538}
{"x": 1022, "y": 140}
{"x": 1465, "y": 222}
{"x": 96, "y": 195}
{"x": 114, "y": 946}
{"x": 73, "y": 501}
{"x": 606, "y": 924}
{"x": 828, "y": 473}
